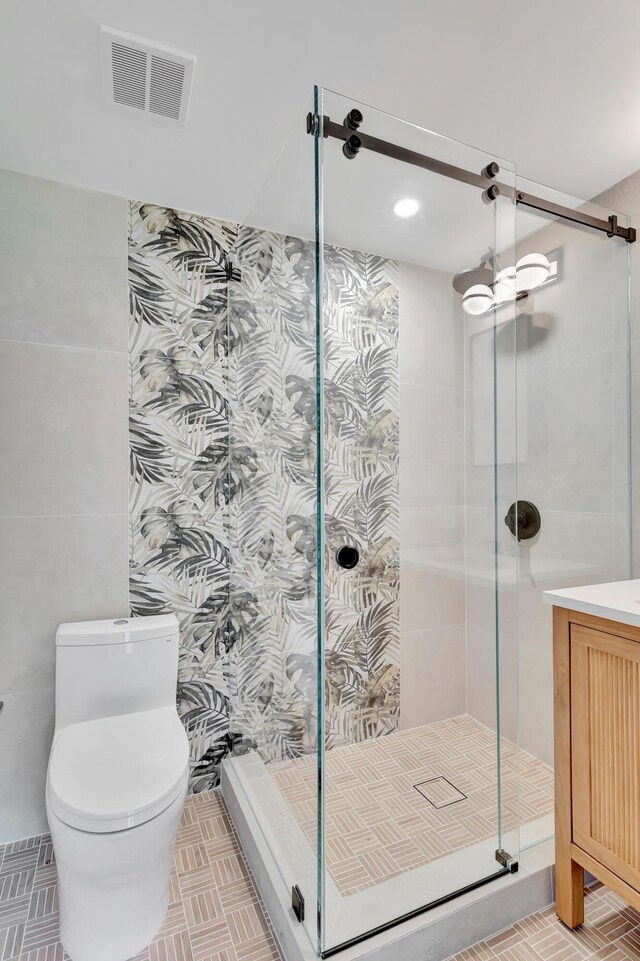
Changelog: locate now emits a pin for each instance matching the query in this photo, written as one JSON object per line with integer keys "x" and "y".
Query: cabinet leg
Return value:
{"x": 569, "y": 875}
{"x": 569, "y": 890}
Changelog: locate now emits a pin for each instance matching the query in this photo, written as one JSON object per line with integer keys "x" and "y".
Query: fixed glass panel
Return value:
{"x": 572, "y": 335}
{"x": 419, "y": 466}
{"x": 272, "y": 481}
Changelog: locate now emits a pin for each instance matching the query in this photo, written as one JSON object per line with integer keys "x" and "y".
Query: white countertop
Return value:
{"x": 618, "y": 601}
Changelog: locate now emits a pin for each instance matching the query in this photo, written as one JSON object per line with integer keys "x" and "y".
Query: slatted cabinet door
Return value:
{"x": 605, "y": 749}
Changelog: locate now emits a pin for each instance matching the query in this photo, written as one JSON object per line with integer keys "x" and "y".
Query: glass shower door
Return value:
{"x": 573, "y": 444}
{"x": 417, "y": 466}
{"x": 272, "y": 490}
{"x": 387, "y": 396}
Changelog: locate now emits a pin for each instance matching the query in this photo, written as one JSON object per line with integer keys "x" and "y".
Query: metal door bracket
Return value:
{"x": 297, "y": 903}
{"x": 505, "y": 859}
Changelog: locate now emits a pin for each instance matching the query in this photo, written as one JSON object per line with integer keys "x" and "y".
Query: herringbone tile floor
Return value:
{"x": 611, "y": 932}
{"x": 214, "y": 914}
{"x": 379, "y": 825}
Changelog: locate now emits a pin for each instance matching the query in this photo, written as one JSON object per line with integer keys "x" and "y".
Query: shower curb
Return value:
{"x": 434, "y": 935}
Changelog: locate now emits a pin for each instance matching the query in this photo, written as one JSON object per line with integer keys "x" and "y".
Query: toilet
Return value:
{"x": 116, "y": 782}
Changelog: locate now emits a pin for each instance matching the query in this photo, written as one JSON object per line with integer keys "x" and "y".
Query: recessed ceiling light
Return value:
{"x": 407, "y": 207}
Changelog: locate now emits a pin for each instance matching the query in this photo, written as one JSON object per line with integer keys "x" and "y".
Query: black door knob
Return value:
{"x": 347, "y": 557}
{"x": 523, "y": 520}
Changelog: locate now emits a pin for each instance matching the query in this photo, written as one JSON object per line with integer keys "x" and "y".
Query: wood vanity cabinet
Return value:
{"x": 597, "y": 758}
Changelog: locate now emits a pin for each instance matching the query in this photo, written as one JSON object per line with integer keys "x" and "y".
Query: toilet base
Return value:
{"x": 114, "y": 887}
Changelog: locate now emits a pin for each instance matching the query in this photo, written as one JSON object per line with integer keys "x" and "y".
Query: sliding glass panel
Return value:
{"x": 573, "y": 452}
{"x": 419, "y": 461}
{"x": 272, "y": 632}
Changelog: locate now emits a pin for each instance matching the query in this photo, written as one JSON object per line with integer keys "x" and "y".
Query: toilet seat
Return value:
{"x": 116, "y": 772}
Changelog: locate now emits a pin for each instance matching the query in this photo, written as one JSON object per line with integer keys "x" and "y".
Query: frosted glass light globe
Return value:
{"x": 505, "y": 285}
{"x": 477, "y": 299}
{"x": 531, "y": 271}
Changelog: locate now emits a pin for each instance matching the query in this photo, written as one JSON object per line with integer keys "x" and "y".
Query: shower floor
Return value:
{"x": 398, "y": 802}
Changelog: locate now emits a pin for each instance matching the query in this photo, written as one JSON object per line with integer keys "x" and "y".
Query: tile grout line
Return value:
{"x": 612, "y": 929}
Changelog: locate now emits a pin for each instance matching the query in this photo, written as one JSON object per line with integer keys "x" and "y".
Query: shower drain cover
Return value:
{"x": 440, "y": 792}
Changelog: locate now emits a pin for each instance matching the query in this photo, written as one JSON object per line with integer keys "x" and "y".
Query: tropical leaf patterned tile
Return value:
{"x": 362, "y": 654}
{"x": 223, "y": 408}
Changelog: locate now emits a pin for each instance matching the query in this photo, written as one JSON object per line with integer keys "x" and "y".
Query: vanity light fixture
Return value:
{"x": 531, "y": 271}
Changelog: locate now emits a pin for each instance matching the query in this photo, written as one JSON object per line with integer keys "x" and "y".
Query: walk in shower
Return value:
{"x": 423, "y": 438}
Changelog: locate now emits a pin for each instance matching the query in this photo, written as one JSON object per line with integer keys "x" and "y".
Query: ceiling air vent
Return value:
{"x": 144, "y": 75}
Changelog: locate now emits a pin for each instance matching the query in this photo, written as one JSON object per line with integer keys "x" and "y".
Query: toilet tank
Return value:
{"x": 120, "y": 666}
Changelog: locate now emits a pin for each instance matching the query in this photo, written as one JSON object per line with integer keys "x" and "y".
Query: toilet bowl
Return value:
{"x": 116, "y": 782}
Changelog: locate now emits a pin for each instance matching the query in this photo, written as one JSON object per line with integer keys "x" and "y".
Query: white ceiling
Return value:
{"x": 551, "y": 84}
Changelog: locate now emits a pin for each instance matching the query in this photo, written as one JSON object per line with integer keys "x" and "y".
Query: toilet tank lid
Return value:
{"x": 120, "y": 630}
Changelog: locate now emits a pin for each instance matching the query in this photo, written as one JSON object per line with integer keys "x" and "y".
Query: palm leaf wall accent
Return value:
{"x": 223, "y": 486}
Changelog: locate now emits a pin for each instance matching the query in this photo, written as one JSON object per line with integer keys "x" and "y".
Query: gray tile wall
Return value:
{"x": 571, "y": 463}
{"x": 64, "y": 463}
{"x": 573, "y": 459}
{"x": 63, "y": 470}
{"x": 432, "y": 497}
